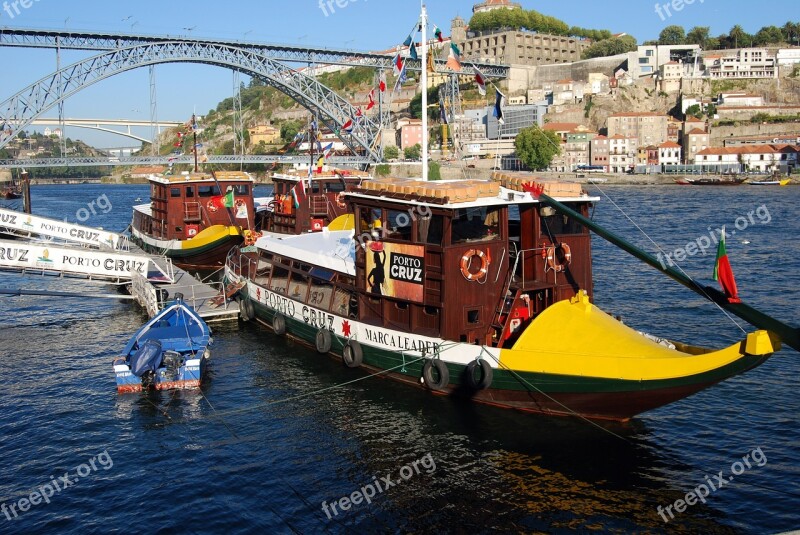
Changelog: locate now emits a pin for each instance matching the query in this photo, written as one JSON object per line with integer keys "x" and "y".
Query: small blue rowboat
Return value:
{"x": 170, "y": 351}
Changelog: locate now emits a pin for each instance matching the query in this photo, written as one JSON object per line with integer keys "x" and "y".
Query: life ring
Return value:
{"x": 553, "y": 260}
{"x": 352, "y": 354}
{"x": 323, "y": 341}
{"x": 279, "y": 324}
{"x": 211, "y": 205}
{"x": 466, "y": 261}
{"x": 339, "y": 200}
{"x": 485, "y": 378}
{"x": 441, "y": 371}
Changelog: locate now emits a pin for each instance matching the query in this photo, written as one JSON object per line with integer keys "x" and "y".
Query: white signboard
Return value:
{"x": 59, "y": 230}
{"x": 21, "y": 255}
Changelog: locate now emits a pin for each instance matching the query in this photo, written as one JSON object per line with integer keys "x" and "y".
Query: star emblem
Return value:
{"x": 346, "y": 328}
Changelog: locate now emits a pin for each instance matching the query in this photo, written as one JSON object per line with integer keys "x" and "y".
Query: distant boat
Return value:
{"x": 784, "y": 182}
{"x": 711, "y": 181}
{"x": 597, "y": 180}
{"x": 137, "y": 199}
{"x": 169, "y": 352}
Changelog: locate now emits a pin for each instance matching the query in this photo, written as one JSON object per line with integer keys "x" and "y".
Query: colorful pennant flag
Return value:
{"x": 400, "y": 80}
{"x": 431, "y": 63}
{"x": 454, "y": 58}
{"x": 382, "y": 83}
{"x": 399, "y": 65}
{"x": 371, "y": 97}
{"x": 348, "y": 126}
{"x": 437, "y": 33}
{"x": 408, "y": 41}
{"x": 442, "y": 112}
{"x": 480, "y": 80}
{"x": 498, "y": 106}
{"x": 320, "y": 163}
{"x": 724, "y": 273}
{"x": 412, "y": 52}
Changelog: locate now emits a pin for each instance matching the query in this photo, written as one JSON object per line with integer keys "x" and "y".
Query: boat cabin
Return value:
{"x": 181, "y": 206}
{"x": 301, "y": 205}
{"x": 468, "y": 261}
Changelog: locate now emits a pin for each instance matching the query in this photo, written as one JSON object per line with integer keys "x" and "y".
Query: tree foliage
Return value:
{"x": 672, "y": 35}
{"x": 737, "y": 37}
{"x": 289, "y": 129}
{"x": 536, "y": 147}
{"x": 390, "y": 152}
{"x": 519, "y": 19}
{"x": 611, "y": 47}
{"x": 413, "y": 153}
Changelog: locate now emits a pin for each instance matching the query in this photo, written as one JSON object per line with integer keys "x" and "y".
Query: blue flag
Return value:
{"x": 498, "y": 106}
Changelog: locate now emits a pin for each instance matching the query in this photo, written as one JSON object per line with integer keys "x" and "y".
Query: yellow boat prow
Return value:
{"x": 576, "y": 338}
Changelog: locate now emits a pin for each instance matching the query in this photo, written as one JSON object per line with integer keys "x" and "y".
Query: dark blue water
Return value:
{"x": 271, "y": 437}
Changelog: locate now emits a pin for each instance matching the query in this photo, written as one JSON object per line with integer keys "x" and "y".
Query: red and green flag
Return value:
{"x": 723, "y": 272}
{"x": 437, "y": 32}
{"x": 223, "y": 201}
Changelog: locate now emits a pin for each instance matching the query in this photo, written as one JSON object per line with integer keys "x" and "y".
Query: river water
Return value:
{"x": 272, "y": 437}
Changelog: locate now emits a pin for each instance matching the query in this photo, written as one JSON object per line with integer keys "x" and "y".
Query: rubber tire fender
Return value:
{"x": 486, "y": 375}
{"x": 279, "y": 324}
{"x": 352, "y": 354}
{"x": 244, "y": 310}
{"x": 323, "y": 341}
{"x": 441, "y": 369}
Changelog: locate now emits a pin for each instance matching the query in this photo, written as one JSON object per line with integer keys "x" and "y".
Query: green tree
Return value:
{"x": 699, "y": 35}
{"x": 413, "y": 153}
{"x": 768, "y": 35}
{"x": 694, "y": 110}
{"x": 672, "y": 35}
{"x": 792, "y": 32}
{"x": 738, "y": 35}
{"x": 434, "y": 172}
{"x": 415, "y": 108}
{"x": 390, "y": 152}
{"x": 536, "y": 147}
{"x": 289, "y": 129}
{"x": 611, "y": 47}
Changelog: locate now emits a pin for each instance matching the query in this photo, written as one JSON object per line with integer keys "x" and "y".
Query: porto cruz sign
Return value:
{"x": 19, "y": 255}
{"x": 396, "y": 270}
{"x": 60, "y": 230}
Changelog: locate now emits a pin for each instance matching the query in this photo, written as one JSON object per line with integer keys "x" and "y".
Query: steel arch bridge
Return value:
{"x": 20, "y": 110}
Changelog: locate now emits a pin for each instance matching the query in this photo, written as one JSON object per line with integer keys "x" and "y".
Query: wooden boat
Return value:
{"x": 437, "y": 287}
{"x": 301, "y": 205}
{"x": 187, "y": 221}
{"x": 783, "y": 182}
{"x": 714, "y": 181}
{"x": 170, "y": 351}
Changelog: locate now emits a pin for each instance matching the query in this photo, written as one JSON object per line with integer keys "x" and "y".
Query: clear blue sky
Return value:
{"x": 360, "y": 24}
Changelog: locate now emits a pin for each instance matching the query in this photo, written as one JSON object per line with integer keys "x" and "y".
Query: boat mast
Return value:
{"x": 194, "y": 139}
{"x": 424, "y": 82}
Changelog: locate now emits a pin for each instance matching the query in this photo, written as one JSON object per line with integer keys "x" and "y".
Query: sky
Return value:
{"x": 353, "y": 24}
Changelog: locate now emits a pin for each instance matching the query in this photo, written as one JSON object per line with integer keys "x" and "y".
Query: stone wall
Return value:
{"x": 535, "y": 76}
{"x": 719, "y": 133}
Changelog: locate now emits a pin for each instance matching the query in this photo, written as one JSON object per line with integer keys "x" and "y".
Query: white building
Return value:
{"x": 760, "y": 158}
{"x": 650, "y": 58}
{"x": 740, "y": 98}
{"x": 788, "y": 56}
{"x": 622, "y": 153}
{"x": 669, "y": 153}
{"x": 745, "y": 63}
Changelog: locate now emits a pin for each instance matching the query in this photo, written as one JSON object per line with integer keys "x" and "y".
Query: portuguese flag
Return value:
{"x": 723, "y": 272}
{"x": 223, "y": 201}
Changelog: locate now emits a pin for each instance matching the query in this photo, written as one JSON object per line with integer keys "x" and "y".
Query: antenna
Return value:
{"x": 424, "y": 83}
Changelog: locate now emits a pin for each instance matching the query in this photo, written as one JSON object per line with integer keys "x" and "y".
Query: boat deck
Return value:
{"x": 207, "y": 298}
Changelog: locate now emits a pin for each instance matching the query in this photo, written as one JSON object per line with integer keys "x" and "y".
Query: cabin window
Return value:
{"x": 298, "y": 286}
{"x": 398, "y": 225}
{"x": 241, "y": 189}
{"x": 207, "y": 191}
{"x": 189, "y": 192}
{"x": 473, "y": 316}
{"x": 431, "y": 311}
{"x": 334, "y": 187}
{"x": 476, "y": 225}
{"x": 320, "y": 294}
{"x": 430, "y": 229}
{"x": 558, "y": 224}
{"x": 280, "y": 279}
{"x": 175, "y": 192}
{"x": 263, "y": 271}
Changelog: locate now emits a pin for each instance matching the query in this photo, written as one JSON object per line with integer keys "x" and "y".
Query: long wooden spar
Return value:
{"x": 789, "y": 335}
